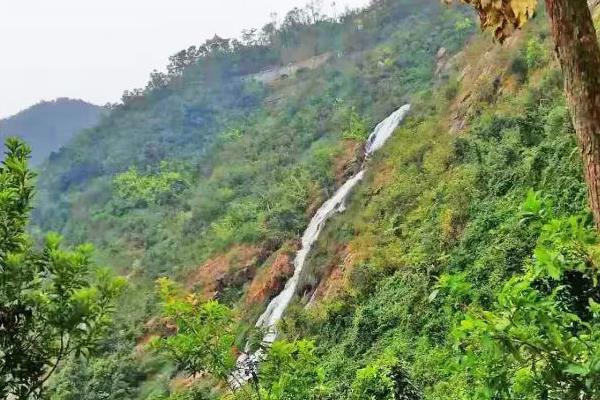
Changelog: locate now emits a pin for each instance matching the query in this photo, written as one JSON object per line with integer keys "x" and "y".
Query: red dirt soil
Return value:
{"x": 237, "y": 266}
{"x": 270, "y": 280}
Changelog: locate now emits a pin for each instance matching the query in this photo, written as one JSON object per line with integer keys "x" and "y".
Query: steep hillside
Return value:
{"x": 426, "y": 277}
{"x": 465, "y": 264}
{"x": 49, "y": 125}
{"x": 210, "y": 174}
{"x": 209, "y": 158}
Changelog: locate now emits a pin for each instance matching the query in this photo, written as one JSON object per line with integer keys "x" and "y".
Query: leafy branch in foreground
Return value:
{"x": 541, "y": 339}
{"x": 502, "y": 17}
{"x": 53, "y": 302}
{"x": 205, "y": 336}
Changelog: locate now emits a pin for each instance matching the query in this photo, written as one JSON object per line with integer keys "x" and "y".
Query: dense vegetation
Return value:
{"x": 476, "y": 285}
{"x": 466, "y": 264}
{"x": 222, "y": 160}
{"x": 48, "y": 125}
{"x": 250, "y": 157}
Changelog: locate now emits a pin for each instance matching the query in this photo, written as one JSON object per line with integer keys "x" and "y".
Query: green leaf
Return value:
{"x": 576, "y": 369}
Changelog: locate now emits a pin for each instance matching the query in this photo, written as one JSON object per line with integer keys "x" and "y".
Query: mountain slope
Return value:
{"x": 210, "y": 176}
{"x": 464, "y": 263}
{"x": 49, "y": 125}
{"x": 237, "y": 141}
{"x": 438, "y": 242}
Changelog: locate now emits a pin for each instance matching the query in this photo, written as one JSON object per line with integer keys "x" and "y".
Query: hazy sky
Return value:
{"x": 95, "y": 49}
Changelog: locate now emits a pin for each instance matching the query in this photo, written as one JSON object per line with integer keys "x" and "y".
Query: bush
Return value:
{"x": 536, "y": 54}
{"x": 384, "y": 379}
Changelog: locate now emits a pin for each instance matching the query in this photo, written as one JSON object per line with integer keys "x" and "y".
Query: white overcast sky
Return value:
{"x": 95, "y": 49}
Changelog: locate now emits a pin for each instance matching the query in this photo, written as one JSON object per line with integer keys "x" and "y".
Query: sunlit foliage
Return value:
{"x": 53, "y": 301}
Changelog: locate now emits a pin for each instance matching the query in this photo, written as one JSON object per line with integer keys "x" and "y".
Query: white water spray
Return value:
{"x": 268, "y": 321}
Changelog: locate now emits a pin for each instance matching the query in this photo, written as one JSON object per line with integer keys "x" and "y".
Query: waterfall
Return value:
{"x": 384, "y": 130}
{"x": 246, "y": 363}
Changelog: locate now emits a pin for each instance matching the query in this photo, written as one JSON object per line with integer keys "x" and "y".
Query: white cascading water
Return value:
{"x": 268, "y": 321}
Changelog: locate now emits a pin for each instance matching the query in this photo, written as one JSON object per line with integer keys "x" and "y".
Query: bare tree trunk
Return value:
{"x": 577, "y": 48}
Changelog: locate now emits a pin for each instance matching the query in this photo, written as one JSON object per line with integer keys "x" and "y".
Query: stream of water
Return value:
{"x": 246, "y": 364}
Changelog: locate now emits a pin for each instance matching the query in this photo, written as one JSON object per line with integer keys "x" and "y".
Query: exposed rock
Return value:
{"x": 184, "y": 381}
{"x": 271, "y": 279}
{"x": 329, "y": 286}
{"x": 443, "y": 63}
{"x": 333, "y": 275}
{"x": 233, "y": 268}
{"x": 281, "y": 73}
{"x": 441, "y": 53}
{"x": 464, "y": 72}
{"x": 348, "y": 162}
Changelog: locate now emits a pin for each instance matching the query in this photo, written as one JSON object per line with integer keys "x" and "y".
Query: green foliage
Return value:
{"x": 536, "y": 54}
{"x": 257, "y": 156}
{"x": 469, "y": 269}
{"x": 204, "y": 339}
{"x": 356, "y": 128}
{"x": 197, "y": 392}
{"x": 465, "y": 24}
{"x": 383, "y": 379}
{"x": 231, "y": 135}
{"x": 456, "y": 286}
{"x": 257, "y": 159}
{"x": 53, "y": 303}
{"x": 243, "y": 222}
{"x": 540, "y": 339}
{"x": 439, "y": 230}
{"x": 291, "y": 371}
{"x": 143, "y": 190}
{"x": 114, "y": 377}
{"x": 204, "y": 342}
{"x": 452, "y": 286}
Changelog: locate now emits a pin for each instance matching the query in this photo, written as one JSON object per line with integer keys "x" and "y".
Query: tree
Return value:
{"x": 291, "y": 371}
{"x": 577, "y": 49}
{"x": 356, "y": 128}
{"x": 142, "y": 190}
{"x": 205, "y": 337}
{"x": 114, "y": 376}
{"x": 53, "y": 303}
{"x": 383, "y": 379}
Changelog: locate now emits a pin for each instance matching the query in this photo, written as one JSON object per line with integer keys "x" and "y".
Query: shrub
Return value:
{"x": 536, "y": 54}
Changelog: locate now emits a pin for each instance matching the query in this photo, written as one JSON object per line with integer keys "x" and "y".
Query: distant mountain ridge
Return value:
{"x": 48, "y": 125}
